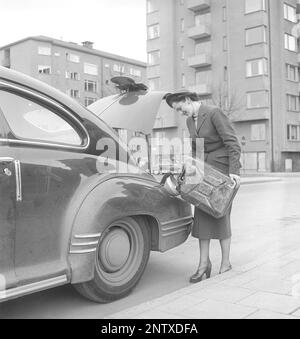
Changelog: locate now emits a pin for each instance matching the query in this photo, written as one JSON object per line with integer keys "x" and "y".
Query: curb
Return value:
{"x": 260, "y": 181}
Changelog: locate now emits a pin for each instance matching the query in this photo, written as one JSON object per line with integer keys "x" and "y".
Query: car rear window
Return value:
{"x": 31, "y": 121}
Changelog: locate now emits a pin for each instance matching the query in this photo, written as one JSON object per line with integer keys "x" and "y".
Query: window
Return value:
{"x": 290, "y": 42}
{"x": 43, "y": 50}
{"x": 224, "y": 14}
{"x": 198, "y": 20}
{"x": 182, "y": 52}
{"x": 88, "y": 101}
{"x": 256, "y": 35}
{"x": 154, "y": 84}
{"x": 292, "y": 73}
{"x": 254, "y": 6}
{"x": 75, "y": 76}
{"x": 225, "y": 73}
{"x": 135, "y": 72}
{"x": 259, "y": 99}
{"x": 153, "y": 31}
{"x": 32, "y": 121}
{"x": 90, "y": 69}
{"x": 183, "y": 80}
{"x": 90, "y": 86}
{"x": 224, "y": 43}
{"x": 258, "y": 132}
{"x": 256, "y": 67}
{"x": 119, "y": 68}
{"x": 153, "y": 58}
{"x": 290, "y": 13}
{"x": 182, "y": 25}
{"x": 44, "y": 69}
{"x": 292, "y": 103}
{"x": 74, "y": 93}
{"x": 72, "y": 75}
{"x": 293, "y": 132}
{"x": 73, "y": 58}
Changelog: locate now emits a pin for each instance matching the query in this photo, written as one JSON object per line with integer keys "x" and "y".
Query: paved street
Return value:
{"x": 265, "y": 256}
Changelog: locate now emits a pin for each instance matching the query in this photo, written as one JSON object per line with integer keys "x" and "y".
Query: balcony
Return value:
{"x": 201, "y": 89}
{"x": 197, "y": 61}
{"x": 198, "y": 5}
{"x": 298, "y": 58}
{"x": 199, "y": 32}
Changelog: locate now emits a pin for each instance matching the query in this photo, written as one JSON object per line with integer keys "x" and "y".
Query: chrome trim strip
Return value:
{"x": 174, "y": 232}
{"x": 18, "y": 180}
{"x": 176, "y": 226}
{"x": 92, "y": 243}
{"x": 6, "y": 159}
{"x": 87, "y": 236}
{"x": 38, "y": 143}
{"x": 53, "y": 103}
{"x": 83, "y": 251}
{"x": 38, "y": 286}
{"x": 176, "y": 220}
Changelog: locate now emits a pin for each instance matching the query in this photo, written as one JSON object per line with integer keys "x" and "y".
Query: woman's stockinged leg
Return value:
{"x": 204, "y": 253}
{"x": 225, "y": 247}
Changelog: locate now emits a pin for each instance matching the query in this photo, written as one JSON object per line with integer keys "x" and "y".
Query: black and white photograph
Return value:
{"x": 150, "y": 162}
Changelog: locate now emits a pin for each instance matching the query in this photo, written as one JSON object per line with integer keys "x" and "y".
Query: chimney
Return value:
{"x": 87, "y": 44}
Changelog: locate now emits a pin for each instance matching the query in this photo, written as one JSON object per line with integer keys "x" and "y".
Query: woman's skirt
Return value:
{"x": 207, "y": 227}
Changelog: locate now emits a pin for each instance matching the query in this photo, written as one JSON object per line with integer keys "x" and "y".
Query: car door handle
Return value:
{"x": 4, "y": 161}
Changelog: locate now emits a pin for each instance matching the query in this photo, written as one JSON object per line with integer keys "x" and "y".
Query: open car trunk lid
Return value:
{"x": 134, "y": 111}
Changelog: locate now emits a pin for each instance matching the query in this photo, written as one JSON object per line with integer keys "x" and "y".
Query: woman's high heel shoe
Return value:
{"x": 229, "y": 268}
{"x": 199, "y": 275}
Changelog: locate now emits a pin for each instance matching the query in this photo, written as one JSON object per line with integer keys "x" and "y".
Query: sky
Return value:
{"x": 115, "y": 26}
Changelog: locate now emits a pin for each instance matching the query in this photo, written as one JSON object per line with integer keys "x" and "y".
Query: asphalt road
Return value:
{"x": 263, "y": 214}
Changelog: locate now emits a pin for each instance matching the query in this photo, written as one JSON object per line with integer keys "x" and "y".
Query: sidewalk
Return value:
{"x": 262, "y": 290}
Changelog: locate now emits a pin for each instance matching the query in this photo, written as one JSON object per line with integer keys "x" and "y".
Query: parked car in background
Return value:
{"x": 64, "y": 217}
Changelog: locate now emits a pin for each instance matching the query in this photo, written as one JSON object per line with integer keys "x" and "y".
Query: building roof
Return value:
{"x": 79, "y": 48}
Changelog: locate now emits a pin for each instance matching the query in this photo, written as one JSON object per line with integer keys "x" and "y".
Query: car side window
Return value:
{"x": 31, "y": 121}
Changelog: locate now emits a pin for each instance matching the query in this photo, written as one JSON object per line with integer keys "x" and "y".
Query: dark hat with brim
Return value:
{"x": 171, "y": 98}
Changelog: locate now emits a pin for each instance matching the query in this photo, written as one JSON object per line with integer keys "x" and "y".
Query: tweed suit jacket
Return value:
{"x": 221, "y": 146}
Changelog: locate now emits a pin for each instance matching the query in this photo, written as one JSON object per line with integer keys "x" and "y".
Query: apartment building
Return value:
{"x": 241, "y": 55}
{"x": 76, "y": 69}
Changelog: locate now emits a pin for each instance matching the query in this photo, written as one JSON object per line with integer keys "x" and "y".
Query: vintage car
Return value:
{"x": 63, "y": 217}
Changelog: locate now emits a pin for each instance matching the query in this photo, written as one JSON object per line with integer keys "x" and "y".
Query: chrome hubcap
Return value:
{"x": 115, "y": 250}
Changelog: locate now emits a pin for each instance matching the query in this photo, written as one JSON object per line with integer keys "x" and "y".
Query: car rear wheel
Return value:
{"x": 121, "y": 259}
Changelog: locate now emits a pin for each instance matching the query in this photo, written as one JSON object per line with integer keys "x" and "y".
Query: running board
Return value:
{"x": 31, "y": 288}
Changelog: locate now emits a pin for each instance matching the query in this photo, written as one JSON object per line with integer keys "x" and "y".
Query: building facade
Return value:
{"x": 78, "y": 70}
{"x": 241, "y": 55}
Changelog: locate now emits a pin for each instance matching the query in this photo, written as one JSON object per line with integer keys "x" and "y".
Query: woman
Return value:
{"x": 223, "y": 151}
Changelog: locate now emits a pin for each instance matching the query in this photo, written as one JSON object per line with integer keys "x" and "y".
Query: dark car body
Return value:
{"x": 57, "y": 207}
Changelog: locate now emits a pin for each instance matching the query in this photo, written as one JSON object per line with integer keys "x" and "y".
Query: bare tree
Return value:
{"x": 228, "y": 102}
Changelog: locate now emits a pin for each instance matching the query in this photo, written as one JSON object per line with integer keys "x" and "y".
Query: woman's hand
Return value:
{"x": 235, "y": 178}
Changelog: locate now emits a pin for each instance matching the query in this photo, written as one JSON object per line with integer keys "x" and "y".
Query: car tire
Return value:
{"x": 122, "y": 256}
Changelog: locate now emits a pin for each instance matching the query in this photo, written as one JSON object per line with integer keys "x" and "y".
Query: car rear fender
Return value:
{"x": 169, "y": 219}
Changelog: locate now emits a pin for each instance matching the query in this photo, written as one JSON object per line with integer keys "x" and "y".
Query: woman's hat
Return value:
{"x": 178, "y": 96}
